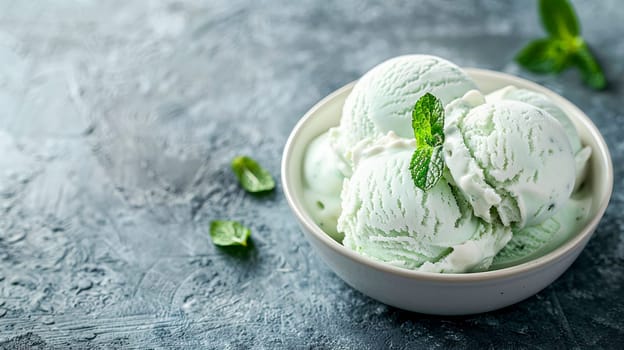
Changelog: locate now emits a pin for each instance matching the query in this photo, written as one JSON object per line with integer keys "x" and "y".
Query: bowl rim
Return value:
{"x": 557, "y": 254}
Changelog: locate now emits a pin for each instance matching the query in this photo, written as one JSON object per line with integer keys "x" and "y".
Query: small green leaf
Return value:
{"x": 229, "y": 233}
{"x": 427, "y": 162}
{"x": 427, "y": 166}
{"x": 559, "y": 19}
{"x": 251, "y": 175}
{"x": 544, "y": 56}
{"x": 428, "y": 121}
{"x": 589, "y": 67}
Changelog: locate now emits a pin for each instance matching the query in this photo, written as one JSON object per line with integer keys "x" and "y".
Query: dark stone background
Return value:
{"x": 118, "y": 121}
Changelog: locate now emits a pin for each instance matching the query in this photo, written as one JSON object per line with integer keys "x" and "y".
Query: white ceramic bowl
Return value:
{"x": 434, "y": 293}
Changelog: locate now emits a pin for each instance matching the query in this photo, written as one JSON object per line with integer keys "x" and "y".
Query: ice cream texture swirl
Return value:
{"x": 511, "y": 188}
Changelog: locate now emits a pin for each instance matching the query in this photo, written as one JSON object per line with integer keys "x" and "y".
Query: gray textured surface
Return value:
{"x": 118, "y": 120}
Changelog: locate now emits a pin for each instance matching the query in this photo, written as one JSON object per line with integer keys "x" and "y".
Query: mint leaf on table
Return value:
{"x": 564, "y": 48}
{"x": 251, "y": 175}
{"x": 229, "y": 233}
{"x": 427, "y": 164}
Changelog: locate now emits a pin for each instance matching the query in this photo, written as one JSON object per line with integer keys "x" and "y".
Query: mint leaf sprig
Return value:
{"x": 427, "y": 164}
{"x": 564, "y": 48}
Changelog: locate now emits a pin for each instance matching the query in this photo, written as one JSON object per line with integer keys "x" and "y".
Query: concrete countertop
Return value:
{"x": 118, "y": 122}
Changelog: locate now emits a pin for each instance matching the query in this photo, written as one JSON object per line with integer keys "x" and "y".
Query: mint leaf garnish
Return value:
{"x": 426, "y": 166}
{"x": 564, "y": 48}
{"x": 427, "y": 162}
{"x": 428, "y": 121}
{"x": 229, "y": 233}
{"x": 251, "y": 175}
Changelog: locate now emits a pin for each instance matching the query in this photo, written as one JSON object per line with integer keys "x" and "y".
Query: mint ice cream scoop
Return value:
{"x": 386, "y": 217}
{"x": 322, "y": 183}
{"x": 512, "y": 161}
{"x": 542, "y": 101}
{"x": 382, "y": 100}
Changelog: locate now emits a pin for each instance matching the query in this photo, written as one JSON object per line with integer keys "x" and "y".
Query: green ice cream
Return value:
{"x": 386, "y": 217}
{"x": 511, "y": 189}
{"x": 511, "y": 160}
{"x": 542, "y": 101}
{"x": 323, "y": 179}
